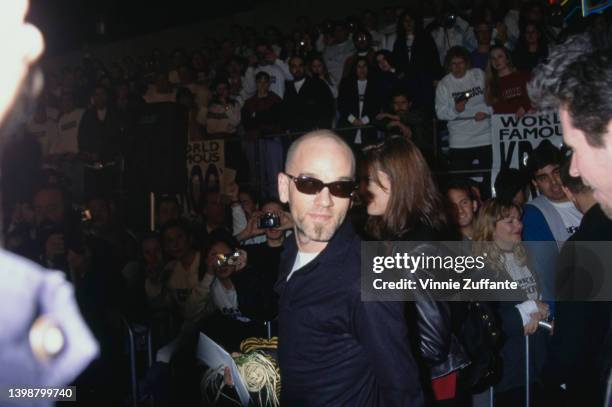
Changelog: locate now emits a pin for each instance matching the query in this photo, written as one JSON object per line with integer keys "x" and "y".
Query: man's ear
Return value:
{"x": 283, "y": 187}
{"x": 535, "y": 185}
{"x": 474, "y": 206}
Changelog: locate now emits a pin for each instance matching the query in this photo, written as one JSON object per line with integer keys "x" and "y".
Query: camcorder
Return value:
{"x": 227, "y": 260}
{"x": 464, "y": 96}
{"x": 268, "y": 220}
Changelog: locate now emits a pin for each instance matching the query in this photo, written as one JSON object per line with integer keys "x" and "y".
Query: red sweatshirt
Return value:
{"x": 513, "y": 93}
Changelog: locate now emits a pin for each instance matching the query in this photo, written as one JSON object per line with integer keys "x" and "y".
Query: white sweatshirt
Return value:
{"x": 464, "y": 133}
{"x": 279, "y": 73}
{"x": 68, "y": 131}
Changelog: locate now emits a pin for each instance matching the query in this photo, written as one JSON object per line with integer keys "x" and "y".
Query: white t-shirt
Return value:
{"x": 301, "y": 260}
{"x": 101, "y": 113}
{"x": 67, "y": 140}
{"x": 226, "y": 300}
{"x": 298, "y": 85}
{"x": 570, "y": 215}
{"x": 361, "y": 90}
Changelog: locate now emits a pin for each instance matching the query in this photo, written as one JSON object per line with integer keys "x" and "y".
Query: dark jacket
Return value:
{"x": 416, "y": 121}
{"x": 421, "y": 67}
{"x": 100, "y": 137}
{"x": 513, "y": 351}
{"x": 580, "y": 349}
{"x": 422, "y": 58}
{"x": 439, "y": 347}
{"x": 389, "y": 82}
{"x": 311, "y": 108}
{"x": 348, "y": 104}
{"x": 262, "y": 116}
{"x": 335, "y": 349}
{"x": 264, "y": 260}
{"x": 525, "y": 60}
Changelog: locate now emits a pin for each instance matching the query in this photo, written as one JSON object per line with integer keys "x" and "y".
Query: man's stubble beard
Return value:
{"x": 321, "y": 232}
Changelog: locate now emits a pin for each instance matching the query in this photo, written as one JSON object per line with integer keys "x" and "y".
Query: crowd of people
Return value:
{"x": 213, "y": 268}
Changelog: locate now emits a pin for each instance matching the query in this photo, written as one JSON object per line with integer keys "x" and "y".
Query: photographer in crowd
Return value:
{"x": 460, "y": 101}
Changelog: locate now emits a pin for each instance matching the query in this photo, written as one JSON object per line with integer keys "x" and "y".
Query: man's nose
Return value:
{"x": 324, "y": 198}
{"x": 574, "y": 167}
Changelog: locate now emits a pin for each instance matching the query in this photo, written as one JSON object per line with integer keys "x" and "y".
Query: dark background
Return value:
{"x": 69, "y": 24}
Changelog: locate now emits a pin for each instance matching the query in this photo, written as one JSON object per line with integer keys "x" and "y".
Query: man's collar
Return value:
{"x": 338, "y": 243}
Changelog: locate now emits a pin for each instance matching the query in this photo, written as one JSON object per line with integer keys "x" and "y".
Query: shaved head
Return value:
{"x": 324, "y": 157}
{"x": 318, "y": 136}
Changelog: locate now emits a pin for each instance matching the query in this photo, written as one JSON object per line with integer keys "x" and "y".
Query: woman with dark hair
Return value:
{"x": 416, "y": 56}
{"x": 405, "y": 201}
{"x": 405, "y": 204}
{"x": 413, "y": 49}
{"x": 318, "y": 69}
{"x": 505, "y": 87}
{"x": 389, "y": 78}
{"x": 197, "y": 191}
{"x": 359, "y": 101}
{"x": 385, "y": 62}
{"x": 531, "y": 48}
{"x": 497, "y": 233}
{"x": 512, "y": 185}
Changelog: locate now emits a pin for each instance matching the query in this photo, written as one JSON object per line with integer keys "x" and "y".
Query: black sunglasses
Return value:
{"x": 312, "y": 186}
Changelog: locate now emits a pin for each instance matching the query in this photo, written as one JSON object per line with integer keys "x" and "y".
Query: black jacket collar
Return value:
{"x": 341, "y": 241}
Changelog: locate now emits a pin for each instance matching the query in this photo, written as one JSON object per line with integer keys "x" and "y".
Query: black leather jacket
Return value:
{"x": 438, "y": 345}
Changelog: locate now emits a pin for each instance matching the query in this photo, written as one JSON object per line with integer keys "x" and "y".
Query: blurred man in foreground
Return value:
{"x": 44, "y": 340}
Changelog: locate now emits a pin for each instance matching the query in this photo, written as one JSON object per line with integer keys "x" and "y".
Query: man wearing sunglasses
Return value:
{"x": 334, "y": 348}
